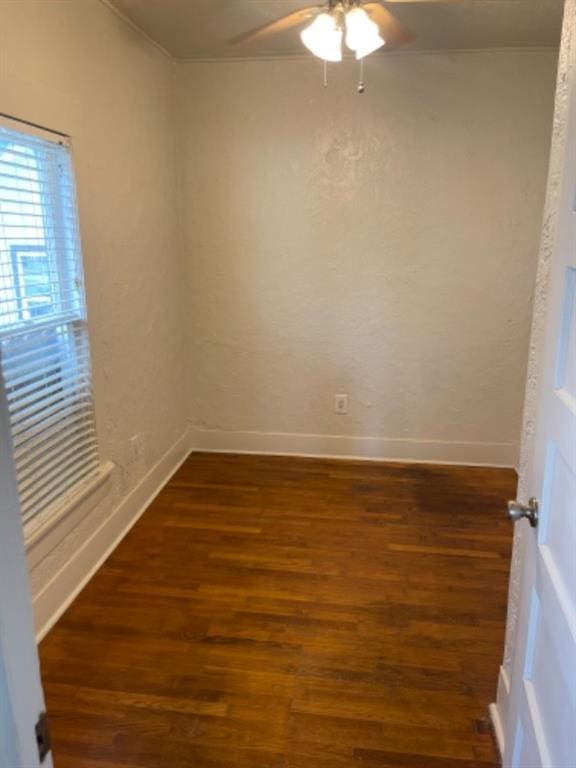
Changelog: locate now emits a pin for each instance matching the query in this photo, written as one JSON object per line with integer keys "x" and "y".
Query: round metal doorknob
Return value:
{"x": 517, "y": 510}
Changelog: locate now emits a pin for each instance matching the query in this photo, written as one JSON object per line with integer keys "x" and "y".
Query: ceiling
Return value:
{"x": 200, "y": 29}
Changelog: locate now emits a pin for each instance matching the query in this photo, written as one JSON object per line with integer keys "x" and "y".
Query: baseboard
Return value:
{"x": 345, "y": 446}
{"x": 498, "y": 728}
{"x": 498, "y": 709}
{"x": 68, "y": 582}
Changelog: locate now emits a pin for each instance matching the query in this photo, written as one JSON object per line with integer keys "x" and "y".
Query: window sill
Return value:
{"x": 46, "y": 531}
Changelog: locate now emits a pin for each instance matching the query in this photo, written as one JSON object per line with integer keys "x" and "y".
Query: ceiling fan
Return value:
{"x": 365, "y": 27}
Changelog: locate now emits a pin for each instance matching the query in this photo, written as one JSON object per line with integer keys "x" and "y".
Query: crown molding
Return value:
{"x": 117, "y": 12}
{"x": 392, "y": 54}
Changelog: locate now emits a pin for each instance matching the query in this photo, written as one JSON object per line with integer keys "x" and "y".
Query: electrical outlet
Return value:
{"x": 341, "y": 404}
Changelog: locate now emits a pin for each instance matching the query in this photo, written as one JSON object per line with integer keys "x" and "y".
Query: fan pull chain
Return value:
{"x": 325, "y": 73}
{"x": 361, "y": 77}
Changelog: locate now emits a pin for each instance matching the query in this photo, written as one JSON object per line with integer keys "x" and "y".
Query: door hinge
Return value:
{"x": 43, "y": 736}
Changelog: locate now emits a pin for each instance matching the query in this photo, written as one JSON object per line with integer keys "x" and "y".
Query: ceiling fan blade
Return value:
{"x": 395, "y": 33}
{"x": 285, "y": 22}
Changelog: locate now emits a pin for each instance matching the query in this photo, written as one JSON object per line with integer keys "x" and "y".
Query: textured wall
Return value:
{"x": 76, "y": 67}
{"x": 381, "y": 245}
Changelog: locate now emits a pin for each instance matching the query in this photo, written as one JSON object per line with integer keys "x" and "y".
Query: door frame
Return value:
{"x": 21, "y": 695}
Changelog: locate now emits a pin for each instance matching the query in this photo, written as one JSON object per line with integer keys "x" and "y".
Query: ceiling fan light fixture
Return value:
{"x": 362, "y": 34}
{"x": 323, "y": 38}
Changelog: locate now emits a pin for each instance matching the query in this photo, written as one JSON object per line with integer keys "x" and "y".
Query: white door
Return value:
{"x": 541, "y": 722}
{"x": 21, "y": 697}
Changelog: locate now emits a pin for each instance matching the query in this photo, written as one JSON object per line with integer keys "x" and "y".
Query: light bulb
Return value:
{"x": 323, "y": 38}
{"x": 362, "y": 34}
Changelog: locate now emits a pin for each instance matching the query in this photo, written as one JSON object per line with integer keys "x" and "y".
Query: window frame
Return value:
{"x": 17, "y": 253}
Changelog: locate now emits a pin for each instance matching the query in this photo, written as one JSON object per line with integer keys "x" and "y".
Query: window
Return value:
{"x": 32, "y": 280}
{"x": 44, "y": 349}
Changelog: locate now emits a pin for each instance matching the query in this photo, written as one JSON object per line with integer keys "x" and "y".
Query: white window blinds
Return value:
{"x": 44, "y": 350}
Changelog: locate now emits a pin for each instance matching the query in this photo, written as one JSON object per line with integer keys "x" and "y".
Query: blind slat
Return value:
{"x": 53, "y": 322}
{"x": 29, "y": 441}
{"x": 47, "y": 408}
{"x": 52, "y": 459}
{"x": 60, "y": 370}
{"x": 46, "y": 383}
{"x": 45, "y": 477}
{"x": 83, "y": 472}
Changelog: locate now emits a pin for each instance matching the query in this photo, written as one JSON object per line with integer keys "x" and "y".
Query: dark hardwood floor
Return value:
{"x": 291, "y": 613}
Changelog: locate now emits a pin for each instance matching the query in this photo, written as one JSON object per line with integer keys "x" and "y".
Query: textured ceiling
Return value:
{"x": 200, "y": 29}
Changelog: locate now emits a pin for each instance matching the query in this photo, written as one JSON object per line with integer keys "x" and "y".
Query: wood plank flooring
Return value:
{"x": 271, "y": 612}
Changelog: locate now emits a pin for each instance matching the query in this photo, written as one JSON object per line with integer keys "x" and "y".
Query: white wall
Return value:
{"x": 76, "y": 67}
{"x": 381, "y": 245}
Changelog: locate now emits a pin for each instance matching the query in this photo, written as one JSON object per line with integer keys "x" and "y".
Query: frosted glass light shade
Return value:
{"x": 362, "y": 34}
{"x": 323, "y": 38}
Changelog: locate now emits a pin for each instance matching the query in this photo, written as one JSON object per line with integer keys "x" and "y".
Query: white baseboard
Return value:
{"x": 345, "y": 446}
{"x": 51, "y": 602}
{"x": 498, "y": 728}
{"x": 497, "y": 710}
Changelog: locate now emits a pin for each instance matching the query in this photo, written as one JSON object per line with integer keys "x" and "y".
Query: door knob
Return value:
{"x": 516, "y": 511}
